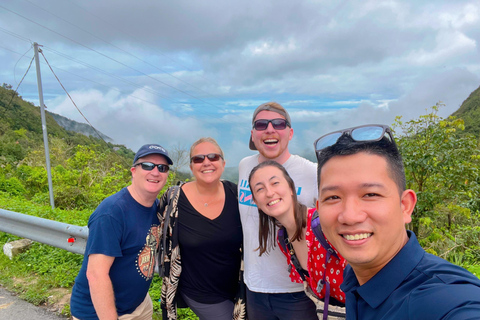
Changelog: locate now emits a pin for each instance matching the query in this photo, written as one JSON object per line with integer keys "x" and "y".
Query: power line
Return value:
{"x": 17, "y": 63}
{"x": 106, "y": 56}
{"x": 15, "y": 91}
{"x": 106, "y": 73}
{"x": 15, "y": 35}
{"x": 98, "y": 134}
{"x": 124, "y": 51}
{"x": 146, "y": 45}
{"x": 155, "y": 92}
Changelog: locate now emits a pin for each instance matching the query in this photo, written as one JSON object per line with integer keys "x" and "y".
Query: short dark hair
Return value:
{"x": 384, "y": 148}
{"x": 268, "y": 225}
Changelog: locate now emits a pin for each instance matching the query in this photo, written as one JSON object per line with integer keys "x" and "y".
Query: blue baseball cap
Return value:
{"x": 148, "y": 149}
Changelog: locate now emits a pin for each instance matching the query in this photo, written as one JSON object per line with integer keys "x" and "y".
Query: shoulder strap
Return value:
{"x": 287, "y": 247}
{"x": 167, "y": 210}
{"x": 317, "y": 231}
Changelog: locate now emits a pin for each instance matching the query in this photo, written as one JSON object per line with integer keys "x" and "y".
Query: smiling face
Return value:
{"x": 271, "y": 192}
{"x": 271, "y": 143}
{"x": 362, "y": 212}
{"x": 149, "y": 183}
{"x": 207, "y": 171}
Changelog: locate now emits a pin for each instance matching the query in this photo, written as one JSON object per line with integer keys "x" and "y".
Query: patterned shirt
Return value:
{"x": 316, "y": 266}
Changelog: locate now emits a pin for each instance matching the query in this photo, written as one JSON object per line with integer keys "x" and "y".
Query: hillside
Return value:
{"x": 469, "y": 111}
{"x": 21, "y": 130}
{"x": 78, "y": 127}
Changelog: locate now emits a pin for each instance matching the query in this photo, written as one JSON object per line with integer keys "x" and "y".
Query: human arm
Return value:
{"x": 101, "y": 289}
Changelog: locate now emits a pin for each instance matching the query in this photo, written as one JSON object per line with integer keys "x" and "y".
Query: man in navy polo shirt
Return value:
{"x": 363, "y": 207}
{"x": 122, "y": 246}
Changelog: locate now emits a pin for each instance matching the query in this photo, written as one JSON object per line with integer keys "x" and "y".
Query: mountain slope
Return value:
{"x": 21, "y": 130}
{"x": 75, "y": 126}
{"x": 469, "y": 111}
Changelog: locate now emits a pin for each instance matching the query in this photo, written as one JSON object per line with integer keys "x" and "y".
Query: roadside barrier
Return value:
{"x": 56, "y": 234}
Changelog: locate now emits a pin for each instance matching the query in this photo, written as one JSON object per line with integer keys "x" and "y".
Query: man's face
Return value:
{"x": 272, "y": 144}
{"x": 361, "y": 210}
{"x": 149, "y": 183}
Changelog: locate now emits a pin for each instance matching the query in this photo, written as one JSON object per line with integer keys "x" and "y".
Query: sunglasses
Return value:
{"x": 148, "y": 166}
{"x": 365, "y": 133}
{"x": 278, "y": 124}
{"x": 199, "y": 158}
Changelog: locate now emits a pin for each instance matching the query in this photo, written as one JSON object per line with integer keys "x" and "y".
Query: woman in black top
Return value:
{"x": 209, "y": 235}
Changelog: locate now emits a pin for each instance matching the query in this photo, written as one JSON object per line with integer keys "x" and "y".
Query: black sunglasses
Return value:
{"x": 148, "y": 166}
{"x": 365, "y": 133}
{"x": 278, "y": 124}
{"x": 199, "y": 158}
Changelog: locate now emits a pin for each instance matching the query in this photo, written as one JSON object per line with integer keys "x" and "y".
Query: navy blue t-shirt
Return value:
{"x": 122, "y": 228}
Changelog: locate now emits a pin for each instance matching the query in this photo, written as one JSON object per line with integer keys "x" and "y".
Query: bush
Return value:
{"x": 12, "y": 186}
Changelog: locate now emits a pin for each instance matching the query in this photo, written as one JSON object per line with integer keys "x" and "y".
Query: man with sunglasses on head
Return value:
{"x": 271, "y": 295}
{"x": 122, "y": 244}
{"x": 363, "y": 206}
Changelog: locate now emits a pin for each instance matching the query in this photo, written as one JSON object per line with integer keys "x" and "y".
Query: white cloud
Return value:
{"x": 176, "y": 71}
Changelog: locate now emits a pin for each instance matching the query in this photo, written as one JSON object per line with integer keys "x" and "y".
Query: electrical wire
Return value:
{"x": 106, "y": 56}
{"x": 116, "y": 28}
{"x": 73, "y": 102}
{"x": 124, "y": 51}
{"x": 15, "y": 91}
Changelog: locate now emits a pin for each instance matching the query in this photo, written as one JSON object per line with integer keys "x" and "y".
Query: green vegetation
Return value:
{"x": 85, "y": 171}
{"x": 442, "y": 164}
{"x": 469, "y": 111}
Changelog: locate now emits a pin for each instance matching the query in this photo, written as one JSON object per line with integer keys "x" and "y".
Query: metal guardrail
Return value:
{"x": 56, "y": 234}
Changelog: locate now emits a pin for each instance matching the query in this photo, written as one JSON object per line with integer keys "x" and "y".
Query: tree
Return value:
{"x": 181, "y": 158}
{"x": 442, "y": 167}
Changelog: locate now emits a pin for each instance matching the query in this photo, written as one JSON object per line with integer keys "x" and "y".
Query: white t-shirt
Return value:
{"x": 268, "y": 273}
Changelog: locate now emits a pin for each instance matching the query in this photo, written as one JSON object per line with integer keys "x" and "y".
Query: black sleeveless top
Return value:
{"x": 210, "y": 249}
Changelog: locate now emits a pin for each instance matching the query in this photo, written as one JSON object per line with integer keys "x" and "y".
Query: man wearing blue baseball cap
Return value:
{"x": 122, "y": 245}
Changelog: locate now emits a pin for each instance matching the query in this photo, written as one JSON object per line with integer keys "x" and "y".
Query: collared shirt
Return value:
{"x": 414, "y": 285}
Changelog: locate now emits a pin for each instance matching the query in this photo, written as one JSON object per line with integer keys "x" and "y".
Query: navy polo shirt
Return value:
{"x": 414, "y": 285}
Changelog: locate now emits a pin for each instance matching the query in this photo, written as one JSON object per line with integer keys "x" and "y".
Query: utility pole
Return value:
{"x": 44, "y": 125}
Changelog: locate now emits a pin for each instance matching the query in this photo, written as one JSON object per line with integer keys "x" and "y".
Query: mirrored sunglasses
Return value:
{"x": 148, "y": 166}
{"x": 199, "y": 158}
{"x": 278, "y": 124}
{"x": 365, "y": 133}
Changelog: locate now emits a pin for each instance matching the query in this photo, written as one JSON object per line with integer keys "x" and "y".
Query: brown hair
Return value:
{"x": 268, "y": 225}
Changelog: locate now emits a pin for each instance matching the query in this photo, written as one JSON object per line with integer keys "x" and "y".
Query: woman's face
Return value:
{"x": 208, "y": 170}
{"x": 271, "y": 192}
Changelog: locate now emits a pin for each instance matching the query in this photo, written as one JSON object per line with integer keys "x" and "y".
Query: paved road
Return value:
{"x": 14, "y": 308}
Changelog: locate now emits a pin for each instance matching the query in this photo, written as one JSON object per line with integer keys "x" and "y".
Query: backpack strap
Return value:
{"x": 317, "y": 231}
{"x": 288, "y": 247}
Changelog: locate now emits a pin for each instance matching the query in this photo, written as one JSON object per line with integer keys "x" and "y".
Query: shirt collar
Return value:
{"x": 379, "y": 288}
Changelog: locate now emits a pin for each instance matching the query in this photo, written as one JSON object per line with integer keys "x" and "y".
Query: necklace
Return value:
{"x": 205, "y": 203}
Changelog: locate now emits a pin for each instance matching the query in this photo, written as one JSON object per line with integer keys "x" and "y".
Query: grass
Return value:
{"x": 44, "y": 275}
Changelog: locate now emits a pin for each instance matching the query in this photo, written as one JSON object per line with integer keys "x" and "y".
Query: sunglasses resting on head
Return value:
{"x": 365, "y": 133}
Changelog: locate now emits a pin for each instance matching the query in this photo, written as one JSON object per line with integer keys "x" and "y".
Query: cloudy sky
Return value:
{"x": 171, "y": 72}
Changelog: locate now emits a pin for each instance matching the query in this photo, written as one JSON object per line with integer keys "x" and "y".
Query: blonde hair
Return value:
{"x": 206, "y": 139}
